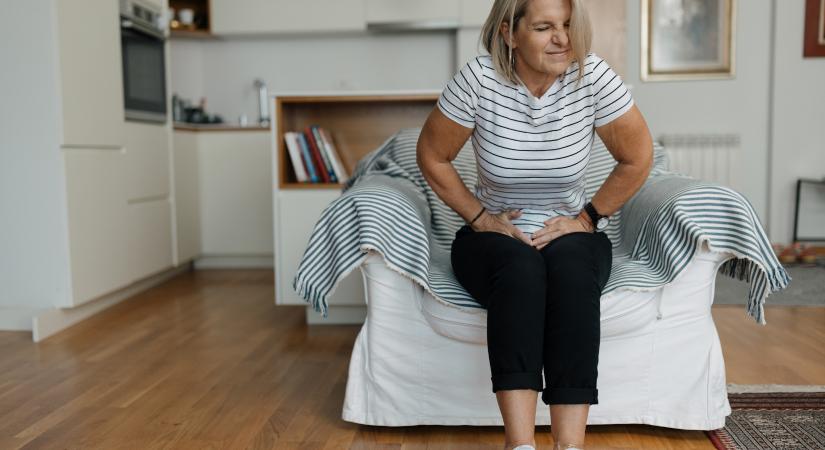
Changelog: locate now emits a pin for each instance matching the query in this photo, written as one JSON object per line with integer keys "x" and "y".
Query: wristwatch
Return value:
{"x": 599, "y": 221}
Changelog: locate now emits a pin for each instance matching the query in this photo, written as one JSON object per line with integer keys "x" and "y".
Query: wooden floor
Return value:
{"x": 207, "y": 361}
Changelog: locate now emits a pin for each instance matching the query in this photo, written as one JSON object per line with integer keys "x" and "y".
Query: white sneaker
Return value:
{"x": 525, "y": 447}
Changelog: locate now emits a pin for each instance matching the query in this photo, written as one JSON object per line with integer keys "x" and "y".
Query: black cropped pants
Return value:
{"x": 542, "y": 309}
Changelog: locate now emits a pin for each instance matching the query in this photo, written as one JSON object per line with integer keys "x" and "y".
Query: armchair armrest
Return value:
{"x": 381, "y": 212}
{"x": 672, "y": 215}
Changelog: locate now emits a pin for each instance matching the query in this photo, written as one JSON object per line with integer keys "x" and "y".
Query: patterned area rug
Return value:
{"x": 773, "y": 420}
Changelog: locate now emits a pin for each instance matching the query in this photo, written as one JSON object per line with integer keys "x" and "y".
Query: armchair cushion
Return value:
{"x": 387, "y": 206}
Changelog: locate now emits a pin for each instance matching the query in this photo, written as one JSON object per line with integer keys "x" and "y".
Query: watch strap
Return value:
{"x": 594, "y": 215}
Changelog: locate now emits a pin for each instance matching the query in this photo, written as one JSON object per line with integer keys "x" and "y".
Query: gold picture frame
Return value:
{"x": 688, "y": 40}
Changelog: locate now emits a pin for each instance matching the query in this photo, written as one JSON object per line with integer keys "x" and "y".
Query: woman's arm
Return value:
{"x": 438, "y": 145}
{"x": 628, "y": 140}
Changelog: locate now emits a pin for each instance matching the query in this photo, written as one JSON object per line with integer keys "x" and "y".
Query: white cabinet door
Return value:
{"x": 404, "y": 11}
{"x": 298, "y": 211}
{"x": 98, "y": 222}
{"x": 276, "y": 16}
{"x": 147, "y": 161}
{"x": 187, "y": 197}
{"x": 235, "y": 172}
{"x": 91, "y": 82}
{"x": 149, "y": 238}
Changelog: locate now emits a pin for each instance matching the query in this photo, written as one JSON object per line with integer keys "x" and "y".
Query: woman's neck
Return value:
{"x": 536, "y": 82}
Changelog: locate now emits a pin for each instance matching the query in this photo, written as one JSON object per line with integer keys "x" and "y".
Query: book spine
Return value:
{"x": 316, "y": 156}
{"x": 313, "y": 177}
{"x": 295, "y": 156}
{"x": 337, "y": 165}
{"x": 324, "y": 153}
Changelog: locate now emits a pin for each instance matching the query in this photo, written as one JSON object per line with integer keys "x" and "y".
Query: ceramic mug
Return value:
{"x": 186, "y": 16}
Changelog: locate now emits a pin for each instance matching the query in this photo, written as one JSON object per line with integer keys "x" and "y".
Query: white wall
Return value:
{"x": 738, "y": 106}
{"x": 186, "y": 68}
{"x": 798, "y": 117}
{"x": 33, "y": 231}
{"x": 366, "y": 61}
{"x": 778, "y": 145}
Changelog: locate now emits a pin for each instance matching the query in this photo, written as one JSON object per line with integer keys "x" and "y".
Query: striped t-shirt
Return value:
{"x": 531, "y": 153}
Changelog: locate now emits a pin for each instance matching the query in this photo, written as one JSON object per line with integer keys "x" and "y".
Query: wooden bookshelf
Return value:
{"x": 357, "y": 123}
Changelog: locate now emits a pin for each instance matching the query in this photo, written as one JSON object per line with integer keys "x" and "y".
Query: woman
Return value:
{"x": 533, "y": 251}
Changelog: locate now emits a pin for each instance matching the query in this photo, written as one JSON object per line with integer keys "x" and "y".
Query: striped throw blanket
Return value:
{"x": 388, "y": 207}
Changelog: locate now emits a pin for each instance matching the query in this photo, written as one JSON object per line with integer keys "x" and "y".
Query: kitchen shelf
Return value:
{"x": 358, "y": 124}
{"x": 191, "y": 34}
{"x": 202, "y": 19}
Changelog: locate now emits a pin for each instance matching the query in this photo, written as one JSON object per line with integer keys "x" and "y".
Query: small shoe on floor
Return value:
{"x": 524, "y": 447}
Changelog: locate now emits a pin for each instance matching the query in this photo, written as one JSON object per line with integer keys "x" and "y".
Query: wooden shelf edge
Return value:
{"x": 299, "y": 186}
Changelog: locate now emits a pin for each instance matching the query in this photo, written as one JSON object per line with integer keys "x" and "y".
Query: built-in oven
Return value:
{"x": 142, "y": 41}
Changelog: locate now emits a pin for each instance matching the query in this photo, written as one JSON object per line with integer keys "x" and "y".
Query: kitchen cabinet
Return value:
{"x": 187, "y": 196}
{"x": 149, "y": 237}
{"x": 90, "y": 74}
{"x": 444, "y": 13}
{"x": 279, "y": 16}
{"x": 235, "y": 173}
{"x": 112, "y": 241}
{"x": 104, "y": 183}
{"x": 223, "y": 196}
{"x": 147, "y": 188}
{"x": 147, "y": 161}
{"x": 98, "y": 222}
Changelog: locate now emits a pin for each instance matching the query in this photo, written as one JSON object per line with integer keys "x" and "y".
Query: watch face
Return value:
{"x": 602, "y": 223}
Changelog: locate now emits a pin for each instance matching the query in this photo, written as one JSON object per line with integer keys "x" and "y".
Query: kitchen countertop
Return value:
{"x": 184, "y": 126}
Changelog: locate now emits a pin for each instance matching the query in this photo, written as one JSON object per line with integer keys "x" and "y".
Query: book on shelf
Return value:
{"x": 307, "y": 157}
{"x": 294, "y": 148}
{"x": 317, "y": 160}
{"x": 337, "y": 166}
{"x": 314, "y": 156}
{"x": 316, "y": 136}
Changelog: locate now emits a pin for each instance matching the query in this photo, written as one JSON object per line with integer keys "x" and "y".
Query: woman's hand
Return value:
{"x": 500, "y": 223}
{"x": 557, "y": 227}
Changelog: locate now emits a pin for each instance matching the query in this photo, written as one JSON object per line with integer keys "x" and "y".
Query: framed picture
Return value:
{"x": 809, "y": 214}
{"x": 688, "y": 39}
{"x": 814, "y": 28}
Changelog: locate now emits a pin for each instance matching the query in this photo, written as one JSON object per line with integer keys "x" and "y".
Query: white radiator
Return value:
{"x": 708, "y": 157}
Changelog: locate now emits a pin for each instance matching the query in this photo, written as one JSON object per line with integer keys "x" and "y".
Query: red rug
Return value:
{"x": 779, "y": 420}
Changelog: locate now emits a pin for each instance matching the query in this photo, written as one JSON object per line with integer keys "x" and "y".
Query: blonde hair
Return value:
{"x": 512, "y": 11}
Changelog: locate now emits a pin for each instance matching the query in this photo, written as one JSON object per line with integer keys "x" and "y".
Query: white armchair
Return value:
{"x": 421, "y": 356}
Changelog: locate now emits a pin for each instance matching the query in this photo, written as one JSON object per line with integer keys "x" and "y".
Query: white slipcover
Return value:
{"x": 417, "y": 361}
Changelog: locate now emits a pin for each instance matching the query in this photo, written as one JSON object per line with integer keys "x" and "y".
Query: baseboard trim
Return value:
{"x": 235, "y": 262}
{"x": 338, "y": 315}
{"x": 17, "y": 319}
{"x": 51, "y": 321}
